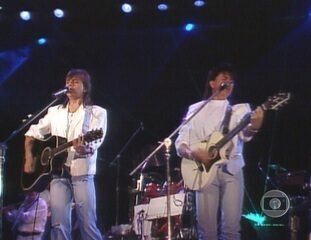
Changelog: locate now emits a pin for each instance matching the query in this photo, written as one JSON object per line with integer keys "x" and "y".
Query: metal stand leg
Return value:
{"x": 168, "y": 143}
{"x": 3, "y": 148}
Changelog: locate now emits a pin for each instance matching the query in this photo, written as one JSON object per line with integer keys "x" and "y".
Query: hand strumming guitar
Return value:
{"x": 199, "y": 154}
{"x": 29, "y": 165}
{"x": 204, "y": 156}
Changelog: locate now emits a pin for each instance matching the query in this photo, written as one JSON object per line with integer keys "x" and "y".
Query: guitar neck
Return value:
{"x": 61, "y": 148}
{"x": 243, "y": 123}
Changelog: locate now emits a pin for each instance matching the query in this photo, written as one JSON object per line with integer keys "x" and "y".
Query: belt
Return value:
{"x": 27, "y": 234}
{"x": 62, "y": 173}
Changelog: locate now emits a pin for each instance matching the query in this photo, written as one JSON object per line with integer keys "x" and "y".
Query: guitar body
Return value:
{"x": 45, "y": 164}
{"x": 197, "y": 175}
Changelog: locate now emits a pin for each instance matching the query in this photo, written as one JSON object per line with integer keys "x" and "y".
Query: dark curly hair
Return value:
{"x": 213, "y": 73}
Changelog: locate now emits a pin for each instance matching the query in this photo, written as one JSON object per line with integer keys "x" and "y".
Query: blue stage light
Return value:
{"x": 199, "y": 3}
{"x": 59, "y": 13}
{"x": 162, "y": 7}
{"x": 127, "y": 8}
{"x": 189, "y": 27}
{"x": 25, "y": 15}
{"x": 41, "y": 41}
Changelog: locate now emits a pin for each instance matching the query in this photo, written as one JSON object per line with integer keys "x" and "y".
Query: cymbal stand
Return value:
{"x": 116, "y": 161}
{"x": 141, "y": 219}
{"x": 167, "y": 142}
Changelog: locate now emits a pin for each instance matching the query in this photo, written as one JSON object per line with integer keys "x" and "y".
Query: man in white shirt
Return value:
{"x": 75, "y": 117}
{"x": 28, "y": 221}
{"x": 225, "y": 191}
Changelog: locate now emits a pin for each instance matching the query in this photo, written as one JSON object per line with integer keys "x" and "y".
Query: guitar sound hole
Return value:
{"x": 45, "y": 156}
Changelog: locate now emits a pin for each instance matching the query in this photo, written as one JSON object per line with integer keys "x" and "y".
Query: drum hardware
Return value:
{"x": 159, "y": 228}
{"x": 121, "y": 230}
{"x": 295, "y": 180}
{"x": 299, "y": 215}
{"x": 116, "y": 163}
{"x": 188, "y": 217}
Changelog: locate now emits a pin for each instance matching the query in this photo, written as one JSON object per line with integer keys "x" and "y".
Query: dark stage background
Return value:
{"x": 147, "y": 69}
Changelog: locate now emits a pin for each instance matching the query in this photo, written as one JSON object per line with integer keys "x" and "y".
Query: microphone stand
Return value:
{"x": 3, "y": 148}
{"x": 116, "y": 162}
{"x": 167, "y": 143}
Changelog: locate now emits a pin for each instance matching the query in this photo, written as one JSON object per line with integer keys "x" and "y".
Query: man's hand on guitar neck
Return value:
{"x": 256, "y": 121}
{"x": 81, "y": 148}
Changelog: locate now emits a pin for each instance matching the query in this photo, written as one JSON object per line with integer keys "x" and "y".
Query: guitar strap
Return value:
{"x": 225, "y": 130}
{"x": 87, "y": 119}
{"x": 226, "y": 120}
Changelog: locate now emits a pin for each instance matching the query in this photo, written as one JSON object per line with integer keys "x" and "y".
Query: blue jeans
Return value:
{"x": 81, "y": 189}
{"x": 222, "y": 199}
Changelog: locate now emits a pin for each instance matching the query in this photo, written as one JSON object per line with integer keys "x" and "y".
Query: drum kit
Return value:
{"x": 150, "y": 211}
{"x": 297, "y": 185}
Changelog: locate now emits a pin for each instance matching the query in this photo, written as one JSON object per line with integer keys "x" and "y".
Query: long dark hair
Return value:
{"x": 87, "y": 84}
{"x": 213, "y": 73}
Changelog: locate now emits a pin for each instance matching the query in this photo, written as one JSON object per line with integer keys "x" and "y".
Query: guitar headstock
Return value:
{"x": 93, "y": 135}
{"x": 276, "y": 101}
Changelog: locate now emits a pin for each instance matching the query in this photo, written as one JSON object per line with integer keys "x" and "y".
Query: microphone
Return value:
{"x": 223, "y": 86}
{"x": 60, "y": 92}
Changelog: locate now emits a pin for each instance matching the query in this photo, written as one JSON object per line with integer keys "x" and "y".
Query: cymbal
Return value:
{"x": 157, "y": 159}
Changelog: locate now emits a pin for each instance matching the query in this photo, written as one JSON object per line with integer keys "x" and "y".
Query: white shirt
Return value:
{"x": 209, "y": 120}
{"x": 59, "y": 122}
{"x": 27, "y": 217}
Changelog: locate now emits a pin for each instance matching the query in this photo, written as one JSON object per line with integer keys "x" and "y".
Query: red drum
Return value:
{"x": 152, "y": 190}
{"x": 174, "y": 188}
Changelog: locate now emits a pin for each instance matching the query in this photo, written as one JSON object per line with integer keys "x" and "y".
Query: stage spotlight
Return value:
{"x": 59, "y": 13}
{"x": 162, "y": 7}
{"x": 199, "y": 3}
{"x": 127, "y": 8}
{"x": 25, "y": 15}
{"x": 41, "y": 41}
{"x": 189, "y": 27}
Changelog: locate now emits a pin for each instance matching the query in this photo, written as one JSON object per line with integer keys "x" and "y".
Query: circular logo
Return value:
{"x": 274, "y": 203}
